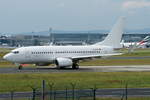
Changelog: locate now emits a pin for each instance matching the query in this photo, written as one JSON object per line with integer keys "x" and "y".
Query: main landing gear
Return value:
{"x": 20, "y": 67}
{"x": 75, "y": 66}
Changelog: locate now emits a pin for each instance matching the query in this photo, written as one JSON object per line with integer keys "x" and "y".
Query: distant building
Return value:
{"x": 63, "y": 39}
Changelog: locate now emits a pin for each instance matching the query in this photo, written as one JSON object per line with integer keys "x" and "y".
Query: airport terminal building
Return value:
{"x": 63, "y": 39}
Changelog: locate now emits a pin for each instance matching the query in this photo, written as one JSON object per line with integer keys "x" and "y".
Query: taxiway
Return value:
{"x": 125, "y": 68}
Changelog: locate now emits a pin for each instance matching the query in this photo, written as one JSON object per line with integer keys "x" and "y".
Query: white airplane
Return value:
{"x": 68, "y": 56}
{"x": 140, "y": 44}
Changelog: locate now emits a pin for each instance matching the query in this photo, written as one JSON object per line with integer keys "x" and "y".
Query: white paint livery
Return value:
{"x": 66, "y": 56}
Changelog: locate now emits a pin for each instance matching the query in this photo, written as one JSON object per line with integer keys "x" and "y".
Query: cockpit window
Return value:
{"x": 15, "y": 52}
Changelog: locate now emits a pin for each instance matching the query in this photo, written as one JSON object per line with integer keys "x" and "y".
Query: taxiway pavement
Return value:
{"x": 125, "y": 68}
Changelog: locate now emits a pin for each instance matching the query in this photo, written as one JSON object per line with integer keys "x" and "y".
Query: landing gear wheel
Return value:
{"x": 75, "y": 66}
{"x": 20, "y": 67}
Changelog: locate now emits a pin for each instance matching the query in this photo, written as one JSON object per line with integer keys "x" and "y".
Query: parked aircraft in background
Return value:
{"x": 68, "y": 56}
{"x": 142, "y": 44}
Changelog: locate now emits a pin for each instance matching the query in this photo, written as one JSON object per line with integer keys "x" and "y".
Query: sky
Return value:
{"x": 18, "y": 16}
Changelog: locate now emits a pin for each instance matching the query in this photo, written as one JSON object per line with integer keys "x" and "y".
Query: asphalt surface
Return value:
{"x": 116, "y": 92}
{"x": 144, "y": 68}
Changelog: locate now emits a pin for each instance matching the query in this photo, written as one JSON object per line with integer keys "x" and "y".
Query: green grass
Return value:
{"x": 83, "y": 80}
{"x": 135, "y": 53}
{"x": 4, "y": 51}
{"x": 115, "y": 62}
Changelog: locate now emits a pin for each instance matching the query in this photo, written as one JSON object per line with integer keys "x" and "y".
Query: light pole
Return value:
{"x": 50, "y": 36}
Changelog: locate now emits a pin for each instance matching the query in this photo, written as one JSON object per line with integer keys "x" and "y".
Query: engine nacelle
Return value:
{"x": 63, "y": 62}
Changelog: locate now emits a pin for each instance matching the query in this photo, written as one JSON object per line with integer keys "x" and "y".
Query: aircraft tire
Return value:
{"x": 75, "y": 66}
{"x": 20, "y": 67}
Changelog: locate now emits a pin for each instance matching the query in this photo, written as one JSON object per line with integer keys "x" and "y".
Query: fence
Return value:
{"x": 49, "y": 95}
{"x": 71, "y": 94}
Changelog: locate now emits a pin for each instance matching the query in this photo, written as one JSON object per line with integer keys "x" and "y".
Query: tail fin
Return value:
{"x": 114, "y": 37}
{"x": 146, "y": 39}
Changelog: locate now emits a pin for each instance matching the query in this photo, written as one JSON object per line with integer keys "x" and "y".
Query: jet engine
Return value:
{"x": 63, "y": 62}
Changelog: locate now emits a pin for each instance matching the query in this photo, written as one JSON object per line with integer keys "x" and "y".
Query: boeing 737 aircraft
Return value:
{"x": 68, "y": 56}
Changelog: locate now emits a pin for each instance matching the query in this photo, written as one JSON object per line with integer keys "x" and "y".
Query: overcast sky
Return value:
{"x": 38, "y": 15}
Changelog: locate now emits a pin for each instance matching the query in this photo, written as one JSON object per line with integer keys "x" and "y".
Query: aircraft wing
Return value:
{"x": 94, "y": 56}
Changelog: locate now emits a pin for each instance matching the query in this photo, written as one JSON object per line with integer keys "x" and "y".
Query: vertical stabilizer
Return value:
{"x": 146, "y": 39}
{"x": 114, "y": 37}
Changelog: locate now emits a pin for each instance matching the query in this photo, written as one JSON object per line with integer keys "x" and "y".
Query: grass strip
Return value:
{"x": 83, "y": 80}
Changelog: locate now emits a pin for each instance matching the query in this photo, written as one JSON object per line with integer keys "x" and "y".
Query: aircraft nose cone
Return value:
{"x": 6, "y": 57}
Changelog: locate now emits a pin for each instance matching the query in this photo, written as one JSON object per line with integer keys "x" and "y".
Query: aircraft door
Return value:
{"x": 28, "y": 56}
{"x": 53, "y": 55}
